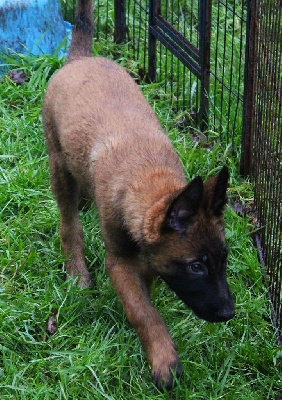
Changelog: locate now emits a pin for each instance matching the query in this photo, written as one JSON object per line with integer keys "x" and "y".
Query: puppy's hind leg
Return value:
{"x": 66, "y": 193}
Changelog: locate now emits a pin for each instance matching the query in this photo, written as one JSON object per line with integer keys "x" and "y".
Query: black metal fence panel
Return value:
{"x": 186, "y": 20}
{"x": 180, "y": 83}
{"x": 168, "y": 26}
{"x": 183, "y": 35}
{"x": 228, "y": 41}
{"x": 225, "y": 79}
{"x": 266, "y": 144}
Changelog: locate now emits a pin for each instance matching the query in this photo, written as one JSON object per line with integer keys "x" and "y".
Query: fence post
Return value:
{"x": 120, "y": 21}
{"x": 249, "y": 88}
{"x": 205, "y": 14}
{"x": 154, "y": 11}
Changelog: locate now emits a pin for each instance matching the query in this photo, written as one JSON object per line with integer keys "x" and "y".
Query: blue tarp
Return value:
{"x": 31, "y": 26}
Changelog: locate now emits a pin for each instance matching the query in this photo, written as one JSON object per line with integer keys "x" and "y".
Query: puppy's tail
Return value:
{"x": 83, "y": 31}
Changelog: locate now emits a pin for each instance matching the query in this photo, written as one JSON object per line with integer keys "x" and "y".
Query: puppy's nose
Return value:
{"x": 225, "y": 314}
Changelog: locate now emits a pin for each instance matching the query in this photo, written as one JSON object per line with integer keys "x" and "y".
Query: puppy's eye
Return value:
{"x": 196, "y": 267}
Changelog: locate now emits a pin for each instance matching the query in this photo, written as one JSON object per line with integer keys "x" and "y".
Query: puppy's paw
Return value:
{"x": 84, "y": 281}
{"x": 163, "y": 377}
{"x": 165, "y": 365}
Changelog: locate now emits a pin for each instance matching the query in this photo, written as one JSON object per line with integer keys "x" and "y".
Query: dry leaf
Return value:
{"x": 52, "y": 321}
{"x": 18, "y": 77}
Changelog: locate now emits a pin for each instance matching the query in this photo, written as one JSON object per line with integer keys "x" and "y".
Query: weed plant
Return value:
{"x": 95, "y": 353}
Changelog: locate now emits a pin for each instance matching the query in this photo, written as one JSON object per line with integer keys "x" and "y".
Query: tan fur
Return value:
{"x": 105, "y": 143}
{"x": 103, "y": 131}
{"x": 126, "y": 147}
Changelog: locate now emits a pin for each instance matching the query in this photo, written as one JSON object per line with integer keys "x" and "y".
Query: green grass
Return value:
{"x": 95, "y": 353}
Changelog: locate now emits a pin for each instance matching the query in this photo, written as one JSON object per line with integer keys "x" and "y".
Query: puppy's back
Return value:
{"x": 101, "y": 116}
{"x": 99, "y": 90}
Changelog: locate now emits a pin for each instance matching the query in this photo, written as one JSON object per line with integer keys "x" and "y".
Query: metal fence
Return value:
{"x": 220, "y": 62}
{"x": 205, "y": 40}
{"x": 262, "y": 139}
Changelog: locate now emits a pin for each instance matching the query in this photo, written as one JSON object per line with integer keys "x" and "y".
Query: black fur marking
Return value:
{"x": 204, "y": 290}
{"x": 209, "y": 298}
{"x": 122, "y": 243}
{"x": 184, "y": 207}
{"x": 219, "y": 196}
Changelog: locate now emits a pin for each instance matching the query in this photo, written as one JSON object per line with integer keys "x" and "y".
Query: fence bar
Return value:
{"x": 196, "y": 60}
{"x": 154, "y": 12}
{"x": 120, "y": 21}
{"x": 205, "y": 13}
{"x": 181, "y": 54}
{"x": 249, "y": 88}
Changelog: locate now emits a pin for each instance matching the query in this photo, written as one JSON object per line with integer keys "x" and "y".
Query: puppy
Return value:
{"x": 106, "y": 144}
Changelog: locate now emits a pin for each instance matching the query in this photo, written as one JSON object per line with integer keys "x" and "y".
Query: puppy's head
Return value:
{"x": 190, "y": 253}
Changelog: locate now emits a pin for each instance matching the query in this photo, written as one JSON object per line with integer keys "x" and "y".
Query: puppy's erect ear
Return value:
{"x": 219, "y": 195}
{"x": 184, "y": 206}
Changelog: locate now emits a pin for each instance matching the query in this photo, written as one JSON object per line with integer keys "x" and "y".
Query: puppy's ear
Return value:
{"x": 219, "y": 194}
{"x": 184, "y": 206}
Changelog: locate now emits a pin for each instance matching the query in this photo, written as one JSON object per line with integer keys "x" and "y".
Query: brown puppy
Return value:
{"x": 105, "y": 143}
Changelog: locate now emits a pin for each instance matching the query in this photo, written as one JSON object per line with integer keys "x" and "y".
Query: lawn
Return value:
{"x": 94, "y": 353}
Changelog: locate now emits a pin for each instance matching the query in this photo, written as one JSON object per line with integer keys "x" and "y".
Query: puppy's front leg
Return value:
{"x": 151, "y": 329}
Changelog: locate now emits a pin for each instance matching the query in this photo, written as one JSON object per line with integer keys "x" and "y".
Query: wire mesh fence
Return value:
{"x": 227, "y": 68}
{"x": 227, "y": 52}
{"x": 263, "y": 142}
{"x": 243, "y": 93}
{"x": 179, "y": 80}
